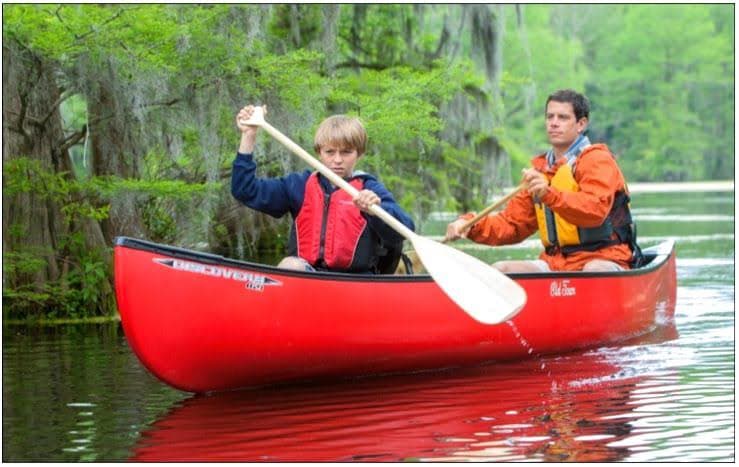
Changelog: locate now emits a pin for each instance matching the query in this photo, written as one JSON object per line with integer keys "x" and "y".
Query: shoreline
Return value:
{"x": 666, "y": 187}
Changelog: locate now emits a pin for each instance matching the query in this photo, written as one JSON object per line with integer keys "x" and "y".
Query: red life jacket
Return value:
{"x": 328, "y": 228}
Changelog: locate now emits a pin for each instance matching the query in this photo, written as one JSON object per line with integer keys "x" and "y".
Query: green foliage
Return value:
{"x": 81, "y": 292}
{"x": 25, "y": 175}
{"x": 399, "y": 106}
{"x": 658, "y": 91}
{"x": 85, "y": 289}
{"x": 292, "y": 79}
{"x": 382, "y": 38}
{"x": 211, "y": 45}
{"x": 84, "y": 292}
{"x": 61, "y": 31}
{"x": 17, "y": 263}
{"x": 305, "y": 29}
{"x": 531, "y": 73}
{"x": 520, "y": 155}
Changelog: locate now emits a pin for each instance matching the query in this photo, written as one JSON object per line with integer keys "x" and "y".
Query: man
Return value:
{"x": 575, "y": 196}
{"x": 330, "y": 230}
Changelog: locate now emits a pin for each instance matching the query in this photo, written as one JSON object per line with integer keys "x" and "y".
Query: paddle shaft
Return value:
{"x": 489, "y": 209}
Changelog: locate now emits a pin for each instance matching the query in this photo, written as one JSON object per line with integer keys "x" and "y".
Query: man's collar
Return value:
{"x": 577, "y": 146}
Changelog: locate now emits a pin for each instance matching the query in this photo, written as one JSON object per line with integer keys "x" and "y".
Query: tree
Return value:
{"x": 45, "y": 237}
{"x": 657, "y": 91}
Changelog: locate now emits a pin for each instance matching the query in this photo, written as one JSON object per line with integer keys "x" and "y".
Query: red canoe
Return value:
{"x": 202, "y": 322}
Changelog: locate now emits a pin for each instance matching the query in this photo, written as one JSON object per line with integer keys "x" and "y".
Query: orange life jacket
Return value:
{"x": 555, "y": 232}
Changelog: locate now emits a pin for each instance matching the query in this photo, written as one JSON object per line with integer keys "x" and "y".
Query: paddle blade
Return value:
{"x": 486, "y": 294}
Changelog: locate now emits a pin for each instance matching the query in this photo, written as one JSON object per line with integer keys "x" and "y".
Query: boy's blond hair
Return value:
{"x": 343, "y": 131}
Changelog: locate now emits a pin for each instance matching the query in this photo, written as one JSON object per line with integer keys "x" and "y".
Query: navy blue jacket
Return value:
{"x": 278, "y": 196}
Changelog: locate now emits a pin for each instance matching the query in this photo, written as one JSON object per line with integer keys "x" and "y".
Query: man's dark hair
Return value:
{"x": 580, "y": 103}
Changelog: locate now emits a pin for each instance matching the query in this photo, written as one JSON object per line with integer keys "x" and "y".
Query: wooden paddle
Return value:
{"x": 488, "y": 210}
{"x": 416, "y": 261}
{"x": 483, "y": 292}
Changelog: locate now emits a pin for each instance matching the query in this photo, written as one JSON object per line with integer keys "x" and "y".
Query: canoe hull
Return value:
{"x": 202, "y": 323}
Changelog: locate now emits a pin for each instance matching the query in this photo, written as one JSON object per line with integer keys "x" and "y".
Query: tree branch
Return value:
{"x": 72, "y": 139}
{"x": 53, "y": 109}
{"x": 17, "y": 129}
{"x": 169, "y": 103}
{"x": 92, "y": 30}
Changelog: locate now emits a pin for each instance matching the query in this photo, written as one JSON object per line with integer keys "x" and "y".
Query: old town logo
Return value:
{"x": 251, "y": 281}
{"x": 562, "y": 288}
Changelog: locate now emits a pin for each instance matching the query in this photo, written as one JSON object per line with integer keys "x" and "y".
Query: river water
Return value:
{"x": 77, "y": 393}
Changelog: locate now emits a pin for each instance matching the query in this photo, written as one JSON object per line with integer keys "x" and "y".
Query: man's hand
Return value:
{"x": 454, "y": 230}
{"x": 535, "y": 182}
{"x": 365, "y": 199}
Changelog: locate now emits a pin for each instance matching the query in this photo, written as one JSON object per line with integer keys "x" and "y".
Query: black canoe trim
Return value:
{"x": 655, "y": 256}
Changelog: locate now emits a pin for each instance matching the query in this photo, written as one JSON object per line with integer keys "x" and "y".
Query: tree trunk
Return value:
{"x": 115, "y": 147}
{"x": 487, "y": 26}
{"x": 329, "y": 33}
{"x": 33, "y": 222}
{"x": 359, "y": 14}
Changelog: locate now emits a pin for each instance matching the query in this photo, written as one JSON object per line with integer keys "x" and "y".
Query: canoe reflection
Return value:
{"x": 568, "y": 408}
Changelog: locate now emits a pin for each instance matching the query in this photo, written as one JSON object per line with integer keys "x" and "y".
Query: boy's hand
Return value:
{"x": 365, "y": 199}
{"x": 244, "y": 115}
{"x": 248, "y": 132}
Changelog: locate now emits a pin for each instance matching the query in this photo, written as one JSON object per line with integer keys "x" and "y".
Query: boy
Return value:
{"x": 330, "y": 231}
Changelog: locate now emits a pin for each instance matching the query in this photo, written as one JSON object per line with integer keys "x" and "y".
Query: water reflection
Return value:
{"x": 75, "y": 393}
{"x": 579, "y": 408}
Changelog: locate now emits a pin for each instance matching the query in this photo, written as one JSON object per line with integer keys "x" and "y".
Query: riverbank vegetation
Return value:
{"x": 118, "y": 119}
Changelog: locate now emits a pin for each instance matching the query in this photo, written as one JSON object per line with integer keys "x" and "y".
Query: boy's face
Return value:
{"x": 562, "y": 126}
{"x": 340, "y": 160}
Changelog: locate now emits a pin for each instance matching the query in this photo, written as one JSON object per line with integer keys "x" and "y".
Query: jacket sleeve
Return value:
{"x": 514, "y": 224}
{"x": 388, "y": 203}
{"x": 599, "y": 178}
{"x": 273, "y": 196}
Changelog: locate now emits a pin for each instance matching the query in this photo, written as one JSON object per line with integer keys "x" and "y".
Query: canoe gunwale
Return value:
{"x": 657, "y": 255}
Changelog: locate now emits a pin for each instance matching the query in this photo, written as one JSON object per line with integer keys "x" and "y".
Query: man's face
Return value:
{"x": 340, "y": 160}
{"x": 562, "y": 127}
